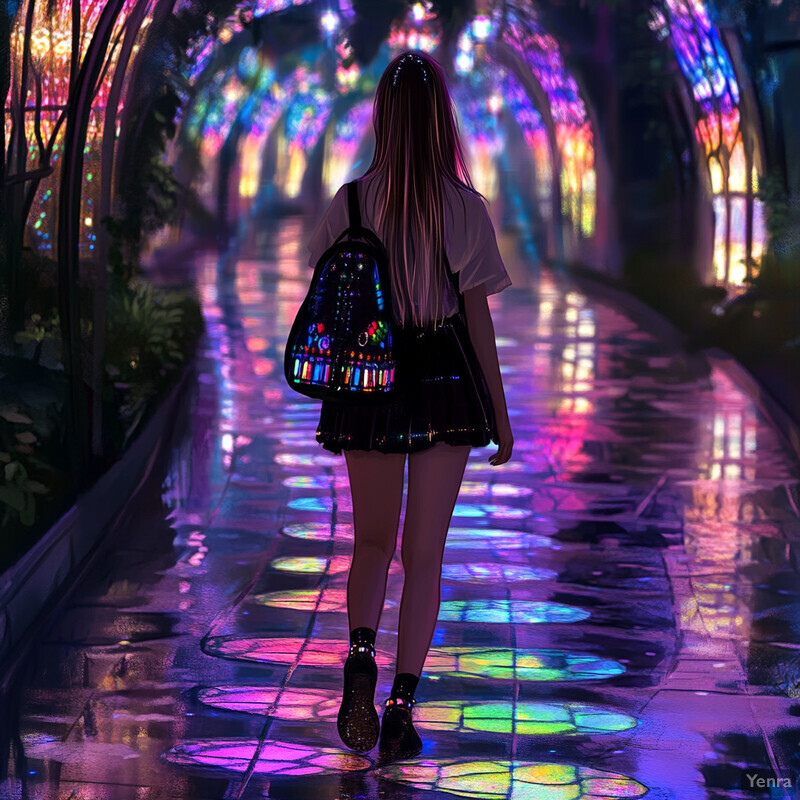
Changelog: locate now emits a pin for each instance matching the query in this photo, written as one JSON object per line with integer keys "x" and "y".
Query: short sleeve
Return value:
{"x": 472, "y": 248}
{"x": 333, "y": 222}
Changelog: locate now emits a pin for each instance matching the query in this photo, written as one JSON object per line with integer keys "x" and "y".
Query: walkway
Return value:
{"x": 620, "y": 602}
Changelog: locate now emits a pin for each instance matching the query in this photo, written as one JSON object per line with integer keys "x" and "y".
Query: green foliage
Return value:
{"x": 33, "y": 472}
{"x": 150, "y": 194}
{"x": 763, "y": 325}
{"x": 38, "y": 332}
{"x": 772, "y": 191}
{"x": 148, "y": 190}
{"x": 17, "y": 489}
{"x": 150, "y": 333}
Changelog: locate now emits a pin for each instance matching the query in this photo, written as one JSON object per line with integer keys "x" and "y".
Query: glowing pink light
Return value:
{"x": 274, "y": 757}
{"x": 317, "y": 652}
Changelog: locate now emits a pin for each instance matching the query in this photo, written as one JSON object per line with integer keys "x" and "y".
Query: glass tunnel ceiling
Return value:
{"x": 560, "y": 138}
{"x": 323, "y": 103}
{"x": 245, "y": 95}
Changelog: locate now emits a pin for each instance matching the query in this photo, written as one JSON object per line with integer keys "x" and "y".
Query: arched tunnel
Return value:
{"x": 568, "y": 149}
{"x": 615, "y": 612}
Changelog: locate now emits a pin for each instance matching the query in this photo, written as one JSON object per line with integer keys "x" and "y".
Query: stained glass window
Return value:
{"x": 50, "y": 59}
{"x": 739, "y": 234}
{"x": 542, "y": 54}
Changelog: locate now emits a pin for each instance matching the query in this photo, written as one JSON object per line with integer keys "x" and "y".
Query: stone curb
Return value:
{"x": 73, "y": 542}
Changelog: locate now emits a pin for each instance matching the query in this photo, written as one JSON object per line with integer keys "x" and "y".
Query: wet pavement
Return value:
{"x": 620, "y": 608}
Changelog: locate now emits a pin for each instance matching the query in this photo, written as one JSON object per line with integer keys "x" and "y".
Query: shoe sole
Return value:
{"x": 391, "y": 749}
{"x": 358, "y": 722}
{"x": 387, "y": 756}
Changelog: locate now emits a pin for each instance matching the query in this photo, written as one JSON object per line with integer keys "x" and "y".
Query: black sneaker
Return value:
{"x": 399, "y": 739}
{"x": 358, "y": 722}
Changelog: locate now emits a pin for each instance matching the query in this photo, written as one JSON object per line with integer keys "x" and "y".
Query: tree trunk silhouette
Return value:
{"x": 69, "y": 212}
{"x": 100, "y": 297}
{"x": 5, "y": 83}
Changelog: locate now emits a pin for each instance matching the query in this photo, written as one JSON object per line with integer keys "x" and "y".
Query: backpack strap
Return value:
{"x": 352, "y": 208}
{"x": 355, "y": 228}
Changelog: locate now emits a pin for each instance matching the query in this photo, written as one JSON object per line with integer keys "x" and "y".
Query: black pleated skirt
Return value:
{"x": 447, "y": 401}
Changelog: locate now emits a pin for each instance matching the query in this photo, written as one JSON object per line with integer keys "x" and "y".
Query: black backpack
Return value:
{"x": 345, "y": 343}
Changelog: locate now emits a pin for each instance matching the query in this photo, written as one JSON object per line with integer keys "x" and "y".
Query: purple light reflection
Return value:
{"x": 275, "y": 758}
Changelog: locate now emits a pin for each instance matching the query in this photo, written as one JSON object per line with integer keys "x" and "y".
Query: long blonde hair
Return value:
{"x": 417, "y": 149}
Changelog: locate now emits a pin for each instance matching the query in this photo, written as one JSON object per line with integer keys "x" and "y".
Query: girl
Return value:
{"x": 418, "y": 197}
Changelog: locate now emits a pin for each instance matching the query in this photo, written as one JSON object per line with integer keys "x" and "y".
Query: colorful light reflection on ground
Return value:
{"x": 500, "y": 663}
{"x": 496, "y": 538}
{"x": 274, "y": 758}
{"x": 286, "y": 650}
{"x": 316, "y": 482}
{"x": 300, "y": 460}
{"x": 522, "y": 718}
{"x": 489, "y": 511}
{"x": 282, "y": 703}
{"x": 455, "y": 716}
{"x": 515, "y": 612}
{"x": 318, "y": 531}
{"x": 500, "y": 780}
{"x": 492, "y": 573}
{"x": 319, "y": 600}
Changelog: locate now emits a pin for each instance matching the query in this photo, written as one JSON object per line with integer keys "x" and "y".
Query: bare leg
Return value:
{"x": 434, "y": 480}
{"x": 376, "y": 486}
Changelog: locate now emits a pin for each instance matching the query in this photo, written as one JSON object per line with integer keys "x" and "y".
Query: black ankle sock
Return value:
{"x": 362, "y": 636}
{"x": 404, "y": 685}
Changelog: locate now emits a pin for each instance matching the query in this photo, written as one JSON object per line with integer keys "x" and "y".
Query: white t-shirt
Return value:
{"x": 470, "y": 240}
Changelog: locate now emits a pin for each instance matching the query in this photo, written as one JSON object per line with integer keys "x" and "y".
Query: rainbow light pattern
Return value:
{"x": 246, "y": 93}
{"x": 478, "y": 105}
{"x": 347, "y": 77}
{"x": 418, "y": 31}
{"x": 333, "y": 565}
{"x": 708, "y": 68}
{"x": 497, "y": 780}
{"x": 273, "y": 757}
{"x": 527, "y": 719}
{"x": 300, "y": 460}
{"x": 498, "y": 539}
{"x": 541, "y": 53}
{"x": 534, "y": 132}
{"x": 51, "y": 51}
{"x": 492, "y": 574}
{"x": 287, "y": 650}
{"x": 219, "y": 105}
{"x": 316, "y": 482}
{"x": 503, "y": 663}
{"x": 320, "y": 352}
{"x": 318, "y": 531}
{"x": 496, "y": 663}
{"x": 348, "y": 135}
{"x": 487, "y": 489}
{"x": 455, "y": 716}
{"x": 317, "y": 600}
{"x": 514, "y": 612}
{"x": 262, "y": 7}
{"x": 306, "y": 118}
